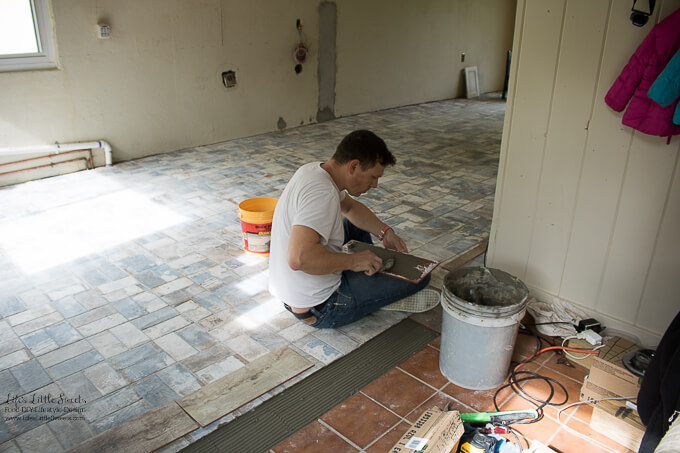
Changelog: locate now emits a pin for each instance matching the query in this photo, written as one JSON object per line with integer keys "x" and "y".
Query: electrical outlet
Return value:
{"x": 104, "y": 31}
{"x": 229, "y": 79}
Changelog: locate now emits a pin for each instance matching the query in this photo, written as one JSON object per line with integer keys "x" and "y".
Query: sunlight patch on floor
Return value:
{"x": 65, "y": 233}
{"x": 261, "y": 314}
{"x": 255, "y": 283}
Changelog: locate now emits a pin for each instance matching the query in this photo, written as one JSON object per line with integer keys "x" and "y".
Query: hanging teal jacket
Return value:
{"x": 666, "y": 88}
{"x": 629, "y": 90}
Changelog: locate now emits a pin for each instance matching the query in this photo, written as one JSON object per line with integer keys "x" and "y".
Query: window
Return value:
{"x": 25, "y": 35}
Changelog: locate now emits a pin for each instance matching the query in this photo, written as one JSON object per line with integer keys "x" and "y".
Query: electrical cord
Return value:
{"x": 517, "y": 377}
{"x": 584, "y": 356}
{"x": 519, "y": 443}
{"x": 625, "y": 398}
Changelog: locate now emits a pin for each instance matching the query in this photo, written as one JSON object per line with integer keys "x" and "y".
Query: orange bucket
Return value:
{"x": 256, "y": 223}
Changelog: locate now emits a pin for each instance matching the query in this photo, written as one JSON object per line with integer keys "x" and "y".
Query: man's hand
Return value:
{"x": 366, "y": 261}
{"x": 394, "y": 242}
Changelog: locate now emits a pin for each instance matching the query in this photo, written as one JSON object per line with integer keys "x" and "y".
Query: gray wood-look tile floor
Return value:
{"x": 125, "y": 289}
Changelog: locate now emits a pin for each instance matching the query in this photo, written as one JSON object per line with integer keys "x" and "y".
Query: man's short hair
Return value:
{"x": 365, "y": 146}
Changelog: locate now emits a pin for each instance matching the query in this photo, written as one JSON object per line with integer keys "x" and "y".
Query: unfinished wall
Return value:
{"x": 587, "y": 210}
{"x": 402, "y": 52}
{"x": 155, "y": 86}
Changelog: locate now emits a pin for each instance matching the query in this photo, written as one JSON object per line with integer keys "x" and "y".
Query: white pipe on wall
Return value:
{"x": 62, "y": 147}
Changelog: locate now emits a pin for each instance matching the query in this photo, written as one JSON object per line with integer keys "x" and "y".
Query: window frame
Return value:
{"x": 45, "y": 58}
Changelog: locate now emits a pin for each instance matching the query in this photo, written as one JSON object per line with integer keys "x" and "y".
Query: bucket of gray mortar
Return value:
{"x": 482, "y": 308}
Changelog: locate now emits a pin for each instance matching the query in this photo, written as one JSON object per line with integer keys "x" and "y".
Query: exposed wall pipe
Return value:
{"x": 89, "y": 162}
{"x": 52, "y": 164}
{"x": 61, "y": 147}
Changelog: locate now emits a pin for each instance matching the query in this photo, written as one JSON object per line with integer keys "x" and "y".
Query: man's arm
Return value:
{"x": 305, "y": 253}
{"x": 361, "y": 216}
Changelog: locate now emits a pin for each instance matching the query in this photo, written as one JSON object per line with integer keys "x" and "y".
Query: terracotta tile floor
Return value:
{"x": 374, "y": 419}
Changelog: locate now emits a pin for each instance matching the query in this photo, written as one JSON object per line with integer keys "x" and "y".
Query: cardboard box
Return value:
{"x": 592, "y": 391}
{"x": 435, "y": 431}
{"x": 619, "y": 422}
{"x": 608, "y": 372}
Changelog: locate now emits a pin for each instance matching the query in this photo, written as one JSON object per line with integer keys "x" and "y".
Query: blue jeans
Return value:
{"x": 359, "y": 294}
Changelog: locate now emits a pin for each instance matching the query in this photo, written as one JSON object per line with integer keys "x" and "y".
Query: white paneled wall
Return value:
{"x": 587, "y": 210}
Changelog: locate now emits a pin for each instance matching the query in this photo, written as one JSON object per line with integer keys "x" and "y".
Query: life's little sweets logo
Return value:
{"x": 43, "y": 407}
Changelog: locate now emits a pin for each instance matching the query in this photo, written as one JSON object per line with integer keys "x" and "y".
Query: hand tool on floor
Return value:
{"x": 476, "y": 442}
{"x": 502, "y": 417}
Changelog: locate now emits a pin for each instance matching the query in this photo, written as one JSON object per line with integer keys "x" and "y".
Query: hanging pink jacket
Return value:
{"x": 639, "y": 74}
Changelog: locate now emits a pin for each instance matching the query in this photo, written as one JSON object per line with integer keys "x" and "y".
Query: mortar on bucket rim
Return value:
{"x": 482, "y": 308}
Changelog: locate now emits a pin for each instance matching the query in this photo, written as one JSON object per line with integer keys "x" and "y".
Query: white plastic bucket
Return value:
{"x": 482, "y": 308}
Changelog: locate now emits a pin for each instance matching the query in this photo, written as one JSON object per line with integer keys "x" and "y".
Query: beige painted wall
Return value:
{"x": 587, "y": 210}
{"x": 155, "y": 86}
{"x": 402, "y": 52}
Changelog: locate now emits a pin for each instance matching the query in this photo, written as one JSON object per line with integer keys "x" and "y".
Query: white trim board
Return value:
{"x": 471, "y": 82}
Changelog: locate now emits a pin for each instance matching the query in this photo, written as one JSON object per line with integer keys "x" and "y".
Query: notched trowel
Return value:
{"x": 388, "y": 264}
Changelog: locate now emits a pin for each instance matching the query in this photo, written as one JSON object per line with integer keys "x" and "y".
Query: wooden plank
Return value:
{"x": 223, "y": 396}
{"x": 618, "y": 422}
{"x": 148, "y": 432}
{"x": 467, "y": 256}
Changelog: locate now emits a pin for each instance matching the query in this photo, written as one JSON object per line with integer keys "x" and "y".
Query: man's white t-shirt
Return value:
{"x": 310, "y": 199}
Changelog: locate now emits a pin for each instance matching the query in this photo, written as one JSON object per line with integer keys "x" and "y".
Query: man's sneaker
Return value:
{"x": 423, "y": 300}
